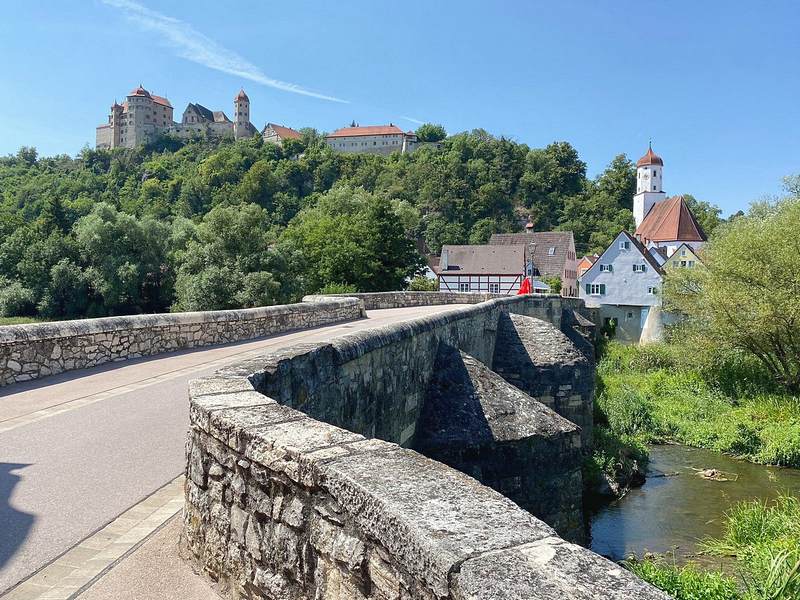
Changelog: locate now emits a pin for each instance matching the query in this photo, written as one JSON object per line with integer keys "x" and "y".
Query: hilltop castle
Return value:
{"x": 143, "y": 116}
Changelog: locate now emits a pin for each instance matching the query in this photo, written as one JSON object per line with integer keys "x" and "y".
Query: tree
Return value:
{"x": 598, "y": 214}
{"x": 126, "y": 260}
{"x": 553, "y": 282}
{"x": 352, "y": 237}
{"x": 228, "y": 261}
{"x": 68, "y": 294}
{"x": 430, "y": 132}
{"x": 707, "y": 214}
{"x": 748, "y": 295}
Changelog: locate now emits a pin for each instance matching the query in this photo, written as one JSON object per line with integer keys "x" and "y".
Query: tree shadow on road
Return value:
{"x": 15, "y": 525}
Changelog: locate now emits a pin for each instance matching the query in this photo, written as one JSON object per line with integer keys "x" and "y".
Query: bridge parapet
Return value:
{"x": 37, "y": 350}
{"x": 303, "y": 482}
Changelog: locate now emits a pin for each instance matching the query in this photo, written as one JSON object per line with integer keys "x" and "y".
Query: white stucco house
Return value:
{"x": 625, "y": 284}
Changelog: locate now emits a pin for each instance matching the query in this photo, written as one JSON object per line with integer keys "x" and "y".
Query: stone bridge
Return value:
{"x": 435, "y": 458}
{"x": 425, "y": 451}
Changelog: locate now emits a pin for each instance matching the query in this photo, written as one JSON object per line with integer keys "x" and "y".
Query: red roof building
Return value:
{"x": 372, "y": 139}
{"x": 275, "y": 134}
{"x": 367, "y": 130}
{"x": 670, "y": 222}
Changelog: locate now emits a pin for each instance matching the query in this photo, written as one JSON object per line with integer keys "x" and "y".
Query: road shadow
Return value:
{"x": 15, "y": 525}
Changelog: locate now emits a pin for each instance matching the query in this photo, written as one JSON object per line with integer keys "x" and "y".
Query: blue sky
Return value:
{"x": 715, "y": 85}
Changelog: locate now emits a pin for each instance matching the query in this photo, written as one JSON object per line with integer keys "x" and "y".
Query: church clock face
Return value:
{"x": 647, "y": 175}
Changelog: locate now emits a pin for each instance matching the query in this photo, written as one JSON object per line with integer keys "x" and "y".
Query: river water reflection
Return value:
{"x": 677, "y": 510}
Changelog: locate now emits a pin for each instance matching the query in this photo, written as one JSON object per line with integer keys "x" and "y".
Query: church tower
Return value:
{"x": 649, "y": 190}
{"x": 241, "y": 115}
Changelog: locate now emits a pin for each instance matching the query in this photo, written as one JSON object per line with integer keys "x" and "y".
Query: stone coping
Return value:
{"x": 10, "y": 334}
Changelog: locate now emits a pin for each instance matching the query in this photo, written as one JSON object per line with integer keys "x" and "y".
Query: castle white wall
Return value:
{"x": 372, "y": 144}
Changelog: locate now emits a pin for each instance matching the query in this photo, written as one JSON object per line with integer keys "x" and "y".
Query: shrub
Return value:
{"x": 423, "y": 284}
{"x": 338, "y": 288}
{"x": 16, "y": 300}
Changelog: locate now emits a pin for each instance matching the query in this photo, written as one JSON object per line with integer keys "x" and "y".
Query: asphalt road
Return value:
{"x": 87, "y": 445}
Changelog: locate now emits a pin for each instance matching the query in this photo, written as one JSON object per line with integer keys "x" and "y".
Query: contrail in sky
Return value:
{"x": 417, "y": 121}
{"x": 196, "y": 47}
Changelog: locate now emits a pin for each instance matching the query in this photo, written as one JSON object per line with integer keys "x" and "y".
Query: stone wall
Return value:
{"x": 541, "y": 361}
{"x": 376, "y": 300}
{"x": 32, "y": 351}
{"x": 290, "y": 493}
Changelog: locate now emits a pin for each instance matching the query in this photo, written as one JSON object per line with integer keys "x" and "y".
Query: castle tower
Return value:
{"x": 116, "y": 124}
{"x": 140, "y": 105}
{"x": 241, "y": 115}
{"x": 649, "y": 190}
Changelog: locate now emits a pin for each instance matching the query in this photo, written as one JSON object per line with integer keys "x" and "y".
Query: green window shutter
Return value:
{"x": 610, "y": 268}
{"x": 644, "y": 268}
{"x": 634, "y": 268}
{"x": 588, "y": 287}
{"x": 602, "y": 289}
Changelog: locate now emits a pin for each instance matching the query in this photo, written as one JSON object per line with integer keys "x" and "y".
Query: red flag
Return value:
{"x": 525, "y": 288}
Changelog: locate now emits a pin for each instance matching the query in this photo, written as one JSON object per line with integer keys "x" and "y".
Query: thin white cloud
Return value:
{"x": 417, "y": 121}
{"x": 196, "y": 47}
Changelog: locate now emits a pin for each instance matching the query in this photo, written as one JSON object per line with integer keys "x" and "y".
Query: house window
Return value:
{"x": 624, "y": 245}
{"x": 675, "y": 263}
{"x": 605, "y": 268}
{"x": 690, "y": 264}
{"x": 630, "y": 315}
{"x": 463, "y": 287}
{"x": 652, "y": 290}
{"x": 683, "y": 252}
{"x": 639, "y": 268}
{"x": 494, "y": 288}
{"x": 551, "y": 251}
{"x": 596, "y": 289}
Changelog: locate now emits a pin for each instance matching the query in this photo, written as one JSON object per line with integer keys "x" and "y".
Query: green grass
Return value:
{"x": 723, "y": 402}
{"x": 686, "y": 582}
{"x": 764, "y": 538}
{"x": 18, "y": 320}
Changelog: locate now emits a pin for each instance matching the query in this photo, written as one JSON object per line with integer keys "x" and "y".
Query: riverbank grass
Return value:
{"x": 665, "y": 393}
{"x": 764, "y": 538}
{"x": 18, "y": 320}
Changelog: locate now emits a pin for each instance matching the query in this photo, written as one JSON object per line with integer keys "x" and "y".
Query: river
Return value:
{"x": 675, "y": 507}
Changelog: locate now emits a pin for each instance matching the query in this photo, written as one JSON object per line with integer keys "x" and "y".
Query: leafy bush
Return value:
{"x": 615, "y": 456}
{"x": 16, "y": 300}
{"x": 423, "y": 284}
{"x": 338, "y": 288}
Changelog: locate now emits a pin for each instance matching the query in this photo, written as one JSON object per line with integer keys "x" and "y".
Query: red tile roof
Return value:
{"x": 140, "y": 91}
{"x": 670, "y": 220}
{"x": 161, "y": 100}
{"x": 651, "y": 158}
{"x": 367, "y": 130}
{"x": 241, "y": 95}
{"x": 284, "y": 132}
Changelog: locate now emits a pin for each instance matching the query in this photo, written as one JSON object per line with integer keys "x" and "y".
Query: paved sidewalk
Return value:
{"x": 90, "y": 559}
{"x": 155, "y": 571}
